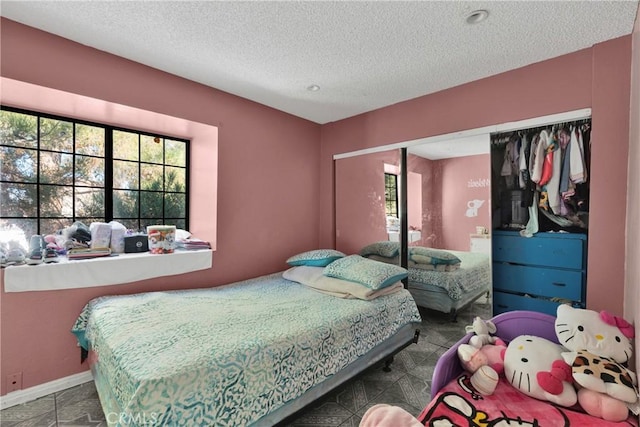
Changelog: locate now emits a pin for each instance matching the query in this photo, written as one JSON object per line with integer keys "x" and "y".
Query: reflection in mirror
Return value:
{"x": 449, "y": 193}
{"x": 366, "y": 201}
{"x": 448, "y": 207}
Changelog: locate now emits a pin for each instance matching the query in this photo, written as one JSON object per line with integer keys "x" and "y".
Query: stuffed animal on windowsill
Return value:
{"x": 600, "y": 349}
{"x": 484, "y": 363}
{"x": 483, "y": 330}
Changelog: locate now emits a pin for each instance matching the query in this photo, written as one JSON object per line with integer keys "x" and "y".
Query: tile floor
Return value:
{"x": 407, "y": 385}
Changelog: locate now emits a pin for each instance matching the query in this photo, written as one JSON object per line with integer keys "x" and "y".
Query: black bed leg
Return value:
{"x": 454, "y": 315}
{"x": 387, "y": 364}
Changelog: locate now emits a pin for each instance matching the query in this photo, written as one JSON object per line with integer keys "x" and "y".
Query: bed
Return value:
{"x": 439, "y": 289}
{"x": 249, "y": 353}
{"x": 455, "y": 402}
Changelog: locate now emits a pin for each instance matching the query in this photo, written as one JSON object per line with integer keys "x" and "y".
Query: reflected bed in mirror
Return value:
{"x": 448, "y": 193}
{"x": 441, "y": 280}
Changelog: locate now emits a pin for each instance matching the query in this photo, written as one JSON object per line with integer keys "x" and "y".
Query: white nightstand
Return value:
{"x": 480, "y": 243}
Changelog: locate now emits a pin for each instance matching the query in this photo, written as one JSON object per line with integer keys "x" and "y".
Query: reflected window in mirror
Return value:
{"x": 391, "y": 194}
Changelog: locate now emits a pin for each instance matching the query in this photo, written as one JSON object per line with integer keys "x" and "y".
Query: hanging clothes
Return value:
{"x": 550, "y": 168}
{"x": 538, "y": 156}
{"x": 577, "y": 163}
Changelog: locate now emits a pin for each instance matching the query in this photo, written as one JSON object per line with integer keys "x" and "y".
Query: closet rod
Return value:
{"x": 504, "y": 137}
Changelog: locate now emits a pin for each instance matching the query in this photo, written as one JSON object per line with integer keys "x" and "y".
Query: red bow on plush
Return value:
{"x": 551, "y": 381}
{"x": 625, "y": 327}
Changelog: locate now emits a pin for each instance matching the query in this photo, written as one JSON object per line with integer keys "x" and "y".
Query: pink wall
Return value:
{"x": 598, "y": 77}
{"x": 461, "y": 182}
{"x": 268, "y": 179}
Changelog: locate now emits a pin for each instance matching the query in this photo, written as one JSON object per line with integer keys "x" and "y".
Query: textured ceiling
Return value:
{"x": 364, "y": 55}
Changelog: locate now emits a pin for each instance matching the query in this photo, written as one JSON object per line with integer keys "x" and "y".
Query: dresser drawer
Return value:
{"x": 541, "y": 281}
{"x": 503, "y": 302}
{"x": 542, "y": 251}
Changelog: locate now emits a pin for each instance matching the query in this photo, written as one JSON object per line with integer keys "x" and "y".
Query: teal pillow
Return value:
{"x": 372, "y": 274}
{"x": 384, "y": 248}
{"x": 315, "y": 258}
{"x": 421, "y": 255}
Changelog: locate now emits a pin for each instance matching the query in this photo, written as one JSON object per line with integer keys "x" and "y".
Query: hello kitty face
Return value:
{"x": 598, "y": 333}
{"x": 529, "y": 362}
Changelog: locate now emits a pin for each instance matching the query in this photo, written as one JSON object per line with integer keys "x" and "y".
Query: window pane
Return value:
{"x": 90, "y": 140}
{"x": 125, "y": 175}
{"x": 18, "y": 164}
{"x": 175, "y": 205}
{"x": 125, "y": 145}
{"x": 130, "y": 224}
{"x": 175, "y": 179}
{"x": 151, "y": 149}
{"x": 56, "y": 135}
{"x": 17, "y": 232}
{"x": 89, "y": 171}
{"x": 125, "y": 204}
{"x": 180, "y": 223}
{"x": 56, "y": 201}
{"x": 175, "y": 152}
{"x": 52, "y": 225}
{"x": 151, "y": 205}
{"x": 18, "y": 200}
{"x": 55, "y": 171}
{"x": 19, "y": 130}
{"x": 56, "y": 168}
{"x": 151, "y": 177}
{"x": 89, "y": 202}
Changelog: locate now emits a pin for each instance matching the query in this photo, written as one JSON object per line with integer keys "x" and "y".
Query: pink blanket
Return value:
{"x": 458, "y": 404}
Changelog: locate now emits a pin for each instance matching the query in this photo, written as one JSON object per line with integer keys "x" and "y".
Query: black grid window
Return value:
{"x": 55, "y": 170}
{"x": 391, "y": 194}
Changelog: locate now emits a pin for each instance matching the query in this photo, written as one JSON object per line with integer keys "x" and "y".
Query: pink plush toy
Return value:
{"x": 485, "y": 363}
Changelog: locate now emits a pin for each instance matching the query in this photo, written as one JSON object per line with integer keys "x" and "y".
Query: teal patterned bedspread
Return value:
{"x": 226, "y": 356}
{"x": 474, "y": 272}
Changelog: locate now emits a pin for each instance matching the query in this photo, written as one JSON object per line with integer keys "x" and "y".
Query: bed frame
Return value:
{"x": 381, "y": 354}
{"x": 437, "y": 299}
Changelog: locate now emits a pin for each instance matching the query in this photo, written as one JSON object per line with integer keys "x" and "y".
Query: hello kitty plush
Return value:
{"x": 600, "y": 345}
{"x": 534, "y": 366}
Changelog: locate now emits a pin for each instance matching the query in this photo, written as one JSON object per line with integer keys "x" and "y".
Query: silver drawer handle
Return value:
{"x": 558, "y": 284}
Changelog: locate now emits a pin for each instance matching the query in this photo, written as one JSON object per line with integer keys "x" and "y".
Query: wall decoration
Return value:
{"x": 473, "y": 206}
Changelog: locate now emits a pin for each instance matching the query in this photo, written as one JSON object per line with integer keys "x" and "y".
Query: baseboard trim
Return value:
{"x": 32, "y": 393}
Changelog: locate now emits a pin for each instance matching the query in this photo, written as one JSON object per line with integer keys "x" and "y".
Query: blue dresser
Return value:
{"x": 538, "y": 273}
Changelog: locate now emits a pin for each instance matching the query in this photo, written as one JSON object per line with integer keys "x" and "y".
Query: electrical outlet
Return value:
{"x": 14, "y": 382}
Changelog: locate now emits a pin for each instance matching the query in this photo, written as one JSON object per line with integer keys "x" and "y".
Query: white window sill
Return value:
{"x": 104, "y": 271}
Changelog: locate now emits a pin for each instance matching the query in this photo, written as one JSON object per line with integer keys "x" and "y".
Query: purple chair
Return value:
{"x": 509, "y": 325}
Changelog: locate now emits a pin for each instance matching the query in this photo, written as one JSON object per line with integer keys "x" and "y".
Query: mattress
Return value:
{"x": 230, "y": 355}
{"x": 473, "y": 276}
